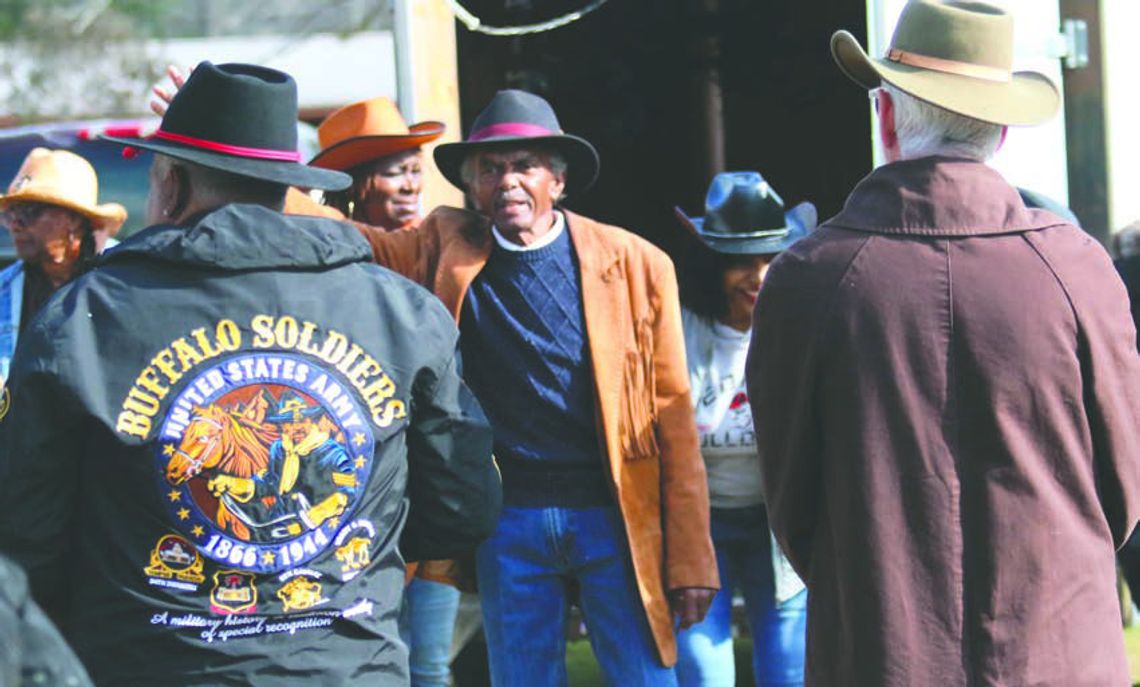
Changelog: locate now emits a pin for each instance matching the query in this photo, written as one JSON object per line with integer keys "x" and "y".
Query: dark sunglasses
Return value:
{"x": 24, "y": 213}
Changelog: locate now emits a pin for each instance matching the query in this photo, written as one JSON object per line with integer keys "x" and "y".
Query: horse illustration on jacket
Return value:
{"x": 224, "y": 443}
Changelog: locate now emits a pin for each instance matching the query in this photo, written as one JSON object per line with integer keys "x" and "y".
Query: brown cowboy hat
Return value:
{"x": 66, "y": 180}
{"x": 957, "y": 55}
{"x": 368, "y": 130}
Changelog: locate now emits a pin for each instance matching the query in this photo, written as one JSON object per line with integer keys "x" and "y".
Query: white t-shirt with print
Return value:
{"x": 716, "y": 355}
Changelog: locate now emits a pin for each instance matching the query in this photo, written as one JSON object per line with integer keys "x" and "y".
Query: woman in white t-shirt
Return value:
{"x": 744, "y": 228}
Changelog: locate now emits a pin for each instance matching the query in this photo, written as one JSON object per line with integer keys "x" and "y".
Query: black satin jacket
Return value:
{"x": 220, "y": 446}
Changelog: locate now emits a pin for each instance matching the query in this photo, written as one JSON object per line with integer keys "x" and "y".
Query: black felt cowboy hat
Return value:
{"x": 519, "y": 118}
{"x": 745, "y": 216}
{"x": 239, "y": 118}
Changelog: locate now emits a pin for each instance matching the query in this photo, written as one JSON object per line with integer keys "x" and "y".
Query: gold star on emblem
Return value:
{"x": 267, "y": 558}
{"x": 360, "y": 462}
{"x": 197, "y": 531}
{"x": 358, "y": 439}
{"x": 174, "y": 495}
{"x": 334, "y": 523}
{"x": 184, "y": 514}
{"x": 168, "y": 450}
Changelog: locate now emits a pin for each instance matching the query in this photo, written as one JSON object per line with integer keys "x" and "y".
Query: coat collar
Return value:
{"x": 241, "y": 237}
{"x": 595, "y": 255}
{"x": 938, "y": 196}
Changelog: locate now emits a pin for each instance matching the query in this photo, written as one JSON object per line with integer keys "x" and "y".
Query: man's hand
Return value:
{"x": 240, "y": 488}
{"x": 690, "y": 604}
{"x": 162, "y": 97}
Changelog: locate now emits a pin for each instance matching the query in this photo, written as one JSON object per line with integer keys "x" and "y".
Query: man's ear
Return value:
{"x": 558, "y": 189}
{"x": 177, "y": 191}
{"x": 888, "y": 134}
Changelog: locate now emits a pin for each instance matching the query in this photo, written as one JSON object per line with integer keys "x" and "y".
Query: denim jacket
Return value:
{"x": 11, "y": 299}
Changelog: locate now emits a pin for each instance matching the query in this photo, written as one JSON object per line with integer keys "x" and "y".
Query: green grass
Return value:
{"x": 584, "y": 672}
{"x": 1132, "y": 644}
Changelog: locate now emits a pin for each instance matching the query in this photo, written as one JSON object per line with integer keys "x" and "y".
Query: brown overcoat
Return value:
{"x": 946, "y": 393}
{"x": 649, "y": 435}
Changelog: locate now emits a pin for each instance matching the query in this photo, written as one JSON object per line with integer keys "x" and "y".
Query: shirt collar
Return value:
{"x": 543, "y": 241}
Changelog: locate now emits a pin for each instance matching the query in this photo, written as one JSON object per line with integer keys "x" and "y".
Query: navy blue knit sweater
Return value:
{"x": 525, "y": 354}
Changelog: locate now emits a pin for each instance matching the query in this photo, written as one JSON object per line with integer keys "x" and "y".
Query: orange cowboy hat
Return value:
{"x": 368, "y": 130}
{"x": 64, "y": 179}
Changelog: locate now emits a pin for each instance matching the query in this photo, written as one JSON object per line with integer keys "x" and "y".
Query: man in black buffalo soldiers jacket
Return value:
{"x": 168, "y": 521}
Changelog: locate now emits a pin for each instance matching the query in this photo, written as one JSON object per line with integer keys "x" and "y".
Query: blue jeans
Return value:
{"x": 744, "y": 556}
{"x": 427, "y": 621}
{"x": 526, "y": 570}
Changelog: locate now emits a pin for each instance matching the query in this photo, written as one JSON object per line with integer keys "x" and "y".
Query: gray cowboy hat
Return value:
{"x": 957, "y": 55}
{"x": 745, "y": 216}
{"x": 520, "y": 118}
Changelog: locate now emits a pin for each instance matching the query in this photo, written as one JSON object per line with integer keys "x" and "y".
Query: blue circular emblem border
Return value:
{"x": 189, "y": 520}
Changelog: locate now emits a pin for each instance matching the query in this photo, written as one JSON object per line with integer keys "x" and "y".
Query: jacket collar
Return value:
{"x": 938, "y": 196}
{"x": 242, "y": 237}
{"x": 595, "y": 255}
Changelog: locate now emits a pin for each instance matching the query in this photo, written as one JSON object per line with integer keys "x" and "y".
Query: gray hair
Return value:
{"x": 553, "y": 158}
{"x": 925, "y": 129}
{"x": 1126, "y": 242}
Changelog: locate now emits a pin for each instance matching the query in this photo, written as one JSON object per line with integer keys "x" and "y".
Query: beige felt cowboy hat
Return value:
{"x": 64, "y": 179}
{"x": 367, "y": 130}
{"x": 957, "y": 55}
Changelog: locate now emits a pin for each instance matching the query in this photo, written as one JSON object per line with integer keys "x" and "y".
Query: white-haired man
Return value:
{"x": 947, "y": 394}
{"x": 571, "y": 341}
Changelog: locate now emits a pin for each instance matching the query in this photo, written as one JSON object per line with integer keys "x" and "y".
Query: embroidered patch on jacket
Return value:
{"x": 175, "y": 564}
{"x": 261, "y": 458}
{"x": 354, "y": 548}
{"x": 235, "y": 591}
{"x": 301, "y": 593}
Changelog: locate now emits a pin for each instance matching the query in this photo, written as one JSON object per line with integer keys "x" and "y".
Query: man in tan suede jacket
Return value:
{"x": 572, "y": 342}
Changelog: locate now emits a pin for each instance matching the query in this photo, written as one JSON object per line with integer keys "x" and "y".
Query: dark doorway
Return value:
{"x": 632, "y": 79}
{"x": 1085, "y": 128}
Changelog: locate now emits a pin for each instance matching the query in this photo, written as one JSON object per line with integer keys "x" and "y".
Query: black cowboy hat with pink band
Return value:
{"x": 517, "y": 119}
{"x": 239, "y": 118}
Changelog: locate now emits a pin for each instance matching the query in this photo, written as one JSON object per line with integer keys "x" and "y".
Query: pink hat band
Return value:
{"x": 520, "y": 129}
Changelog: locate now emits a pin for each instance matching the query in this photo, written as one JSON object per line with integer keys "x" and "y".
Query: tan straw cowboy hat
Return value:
{"x": 64, "y": 179}
{"x": 957, "y": 55}
{"x": 368, "y": 130}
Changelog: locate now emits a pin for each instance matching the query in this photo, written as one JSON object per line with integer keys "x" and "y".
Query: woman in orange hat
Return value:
{"x": 370, "y": 141}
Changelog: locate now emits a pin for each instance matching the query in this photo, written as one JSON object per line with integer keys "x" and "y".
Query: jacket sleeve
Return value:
{"x": 30, "y": 645}
{"x": 453, "y": 484}
{"x": 781, "y": 375}
{"x": 1111, "y": 372}
{"x": 399, "y": 251}
{"x": 689, "y": 557}
{"x": 40, "y": 435}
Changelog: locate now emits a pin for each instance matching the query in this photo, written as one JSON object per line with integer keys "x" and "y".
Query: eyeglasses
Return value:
{"x": 24, "y": 213}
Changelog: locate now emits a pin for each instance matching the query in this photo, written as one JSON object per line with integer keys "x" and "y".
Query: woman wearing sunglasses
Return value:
{"x": 56, "y": 223}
